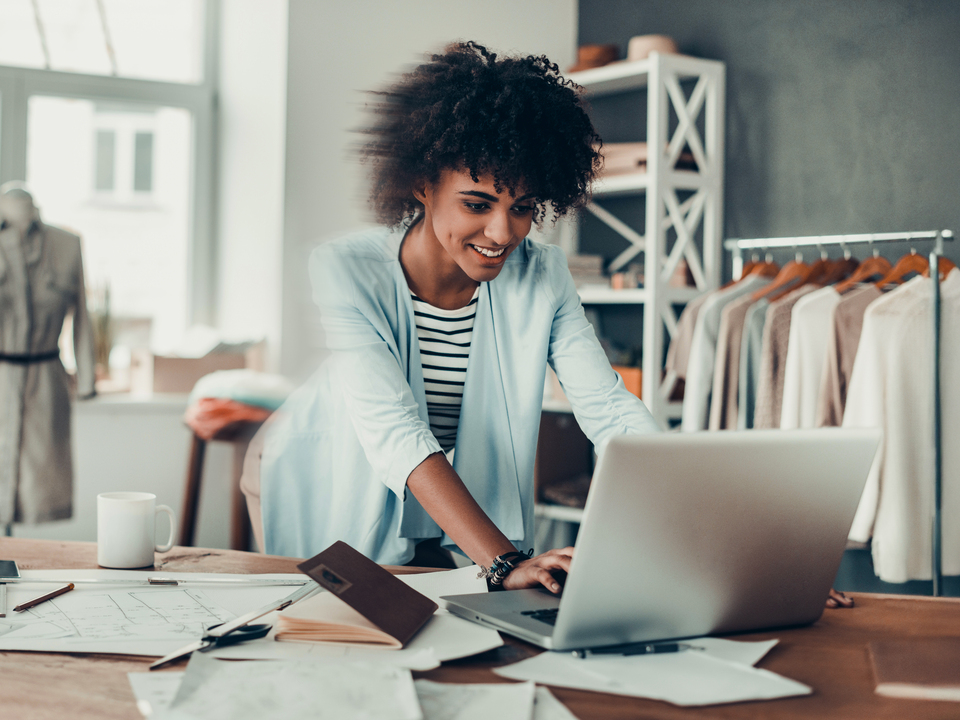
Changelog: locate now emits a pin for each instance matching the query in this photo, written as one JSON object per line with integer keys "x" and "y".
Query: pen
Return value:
{"x": 3, "y": 599}
{"x": 636, "y": 649}
{"x": 43, "y": 598}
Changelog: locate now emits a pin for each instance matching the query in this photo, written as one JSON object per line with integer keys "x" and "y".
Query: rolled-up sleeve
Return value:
{"x": 368, "y": 371}
{"x": 603, "y": 407}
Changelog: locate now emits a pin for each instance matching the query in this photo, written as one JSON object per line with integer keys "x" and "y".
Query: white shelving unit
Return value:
{"x": 701, "y": 210}
{"x": 673, "y": 124}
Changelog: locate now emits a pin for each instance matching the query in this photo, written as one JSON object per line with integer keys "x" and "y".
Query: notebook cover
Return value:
{"x": 387, "y": 602}
{"x": 917, "y": 668}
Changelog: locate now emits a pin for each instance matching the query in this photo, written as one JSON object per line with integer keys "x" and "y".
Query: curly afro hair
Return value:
{"x": 514, "y": 118}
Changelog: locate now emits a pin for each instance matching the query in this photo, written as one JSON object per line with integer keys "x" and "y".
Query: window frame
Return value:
{"x": 18, "y": 85}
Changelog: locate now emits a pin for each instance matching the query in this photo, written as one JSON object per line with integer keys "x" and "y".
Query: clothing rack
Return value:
{"x": 738, "y": 245}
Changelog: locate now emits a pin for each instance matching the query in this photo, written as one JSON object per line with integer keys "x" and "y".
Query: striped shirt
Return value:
{"x": 444, "y": 348}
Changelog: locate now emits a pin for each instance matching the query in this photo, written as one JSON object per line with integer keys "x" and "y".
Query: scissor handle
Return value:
{"x": 241, "y": 634}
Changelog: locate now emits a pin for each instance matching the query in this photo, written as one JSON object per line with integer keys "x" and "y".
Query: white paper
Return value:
{"x": 745, "y": 653}
{"x": 547, "y": 707}
{"x": 448, "y": 701}
{"x": 154, "y": 691}
{"x": 687, "y": 678}
{"x": 133, "y": 620}
{"x": 215, "y": 690}
{"x": 434, "y": 585}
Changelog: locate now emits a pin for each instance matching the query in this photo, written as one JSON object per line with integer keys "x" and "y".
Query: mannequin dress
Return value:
{"x": 41, "y": 282}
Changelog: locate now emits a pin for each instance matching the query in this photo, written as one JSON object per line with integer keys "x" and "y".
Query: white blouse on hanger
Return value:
{"x": 891, "y": 388}
{"x": 810, "y": 323}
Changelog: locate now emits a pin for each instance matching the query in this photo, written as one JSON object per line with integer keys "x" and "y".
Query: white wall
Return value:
{"x": 337, "y": 50}
{"x": 252, "y": 119}
{"x": 122, "y": 444}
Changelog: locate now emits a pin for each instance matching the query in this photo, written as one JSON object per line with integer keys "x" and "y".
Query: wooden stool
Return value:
{"x": 239, "y": 434}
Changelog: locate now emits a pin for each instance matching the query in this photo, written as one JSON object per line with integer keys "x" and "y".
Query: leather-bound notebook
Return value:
{"x": 925, "y": 669}
{"x": 365, "y": 603}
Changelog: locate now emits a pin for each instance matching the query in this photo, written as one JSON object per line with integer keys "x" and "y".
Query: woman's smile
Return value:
{"x": 468, "y": 231}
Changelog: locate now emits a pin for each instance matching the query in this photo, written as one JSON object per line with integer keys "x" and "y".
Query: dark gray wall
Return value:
{"x": 842, "y": 116}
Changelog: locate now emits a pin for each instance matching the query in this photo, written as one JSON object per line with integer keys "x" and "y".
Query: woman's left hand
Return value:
{"x": 538, "y": 571}
{"x": 838, "y": 600}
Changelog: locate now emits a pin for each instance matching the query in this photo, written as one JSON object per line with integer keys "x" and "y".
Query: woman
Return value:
{"x": 411, "y": 437}
{"x": 421, "y": 429}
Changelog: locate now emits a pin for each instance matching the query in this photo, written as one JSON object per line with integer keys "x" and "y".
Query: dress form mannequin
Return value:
{"x": 41, "y": 282}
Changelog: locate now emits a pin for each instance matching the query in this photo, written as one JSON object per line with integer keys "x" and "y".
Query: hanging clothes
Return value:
{"x": 751, "y": 348}
{"x": 41, "y": 281}
{"x": 678, "y": 354}
{"x": 810, "y": 322}
{"x": 773, "y": 356}
{"x": 890, "y": 387}
{"x": 842, "y": 342}
{"x": 703, "y": 348}
{"x": 726, "y": 371}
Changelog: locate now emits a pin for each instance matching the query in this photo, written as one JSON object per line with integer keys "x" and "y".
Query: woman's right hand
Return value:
{"x": 537, "y": 571}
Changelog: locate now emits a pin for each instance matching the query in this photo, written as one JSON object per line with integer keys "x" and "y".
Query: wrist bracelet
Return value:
{"x": 502, "y": 566}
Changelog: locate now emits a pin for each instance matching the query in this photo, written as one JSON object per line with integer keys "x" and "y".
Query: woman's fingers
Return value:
{"x": 548, "y": 580}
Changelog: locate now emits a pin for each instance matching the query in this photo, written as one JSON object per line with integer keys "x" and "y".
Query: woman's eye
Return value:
{"x": 476, "y": 207}
{"x": 523, "y": 209}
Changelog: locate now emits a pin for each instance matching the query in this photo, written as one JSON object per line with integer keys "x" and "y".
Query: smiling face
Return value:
{"x": 476, "y": 226}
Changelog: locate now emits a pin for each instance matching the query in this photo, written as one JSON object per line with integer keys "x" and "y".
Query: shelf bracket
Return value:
{"x": 686, "y": 128}
{"x": 636, "y": 240}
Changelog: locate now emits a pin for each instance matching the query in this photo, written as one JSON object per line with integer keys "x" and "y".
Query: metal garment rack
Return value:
{"x": 737, "y": 247}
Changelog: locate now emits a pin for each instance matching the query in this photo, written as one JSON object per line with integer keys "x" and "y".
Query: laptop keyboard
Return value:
{"x": 548, "y": 615}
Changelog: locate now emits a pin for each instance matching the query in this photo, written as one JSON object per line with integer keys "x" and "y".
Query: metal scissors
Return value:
{"x": 237, "y": 630}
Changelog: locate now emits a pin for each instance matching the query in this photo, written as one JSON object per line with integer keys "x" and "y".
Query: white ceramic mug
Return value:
{"x": 126, "y": 529}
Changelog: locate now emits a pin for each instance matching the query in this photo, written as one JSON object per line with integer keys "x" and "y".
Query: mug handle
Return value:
{"x": 173, "y": 528}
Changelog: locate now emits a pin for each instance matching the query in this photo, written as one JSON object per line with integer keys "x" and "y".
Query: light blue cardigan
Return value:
{"x": 337, "y": 458}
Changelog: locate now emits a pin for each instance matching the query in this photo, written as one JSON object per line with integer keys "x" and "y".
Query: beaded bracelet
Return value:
{"x": 502, "y": 566}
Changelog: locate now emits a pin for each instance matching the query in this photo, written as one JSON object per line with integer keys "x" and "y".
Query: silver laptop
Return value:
{"x": 686, "y": 535}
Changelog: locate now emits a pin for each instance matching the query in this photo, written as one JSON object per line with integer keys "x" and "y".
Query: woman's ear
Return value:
{"x": 420, "y": 193}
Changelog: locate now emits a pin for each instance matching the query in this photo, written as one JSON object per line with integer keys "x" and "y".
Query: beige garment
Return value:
{"x": 726, "y": 373}
{"x": 41, "y": 281}
{"x": 842, "y": 344}
{"x": 773, "y": 356}
{"x": 678, "y": 355}
{"x": 891, "y": 387}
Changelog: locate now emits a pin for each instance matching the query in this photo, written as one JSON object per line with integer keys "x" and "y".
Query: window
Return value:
{"x": 106, "y": 160}
{"x": 143, "y": 162}
{"x": 148, "y": 39}
{"x": 135, "y": 220}
{"x": 125, "y": 163}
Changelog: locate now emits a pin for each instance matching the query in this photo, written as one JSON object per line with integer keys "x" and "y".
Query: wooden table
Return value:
{"x": 830, "y": 656}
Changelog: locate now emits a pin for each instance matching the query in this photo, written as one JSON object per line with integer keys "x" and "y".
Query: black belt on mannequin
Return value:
{"x": 25, "y": 359}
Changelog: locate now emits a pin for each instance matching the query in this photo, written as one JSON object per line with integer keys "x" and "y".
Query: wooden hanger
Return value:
{"x": 909, "y": 263}
{"x": 945, "y": 266}
{"x": 839, "y": 270}
{"x": 870, "y": 268}
{"x": 767, "y": 268}
{"x": 791, "y": 276}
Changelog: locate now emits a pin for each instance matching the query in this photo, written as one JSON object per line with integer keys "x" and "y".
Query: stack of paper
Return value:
{"x": 717, "y": 671}
{"x": 158, "y": 694}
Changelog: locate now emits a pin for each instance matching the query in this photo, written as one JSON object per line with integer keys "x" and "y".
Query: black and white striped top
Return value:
{"x": 445, "y": 337}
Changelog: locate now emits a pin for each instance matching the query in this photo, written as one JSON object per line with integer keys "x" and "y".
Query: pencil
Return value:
{"x": 43, "y": 598}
